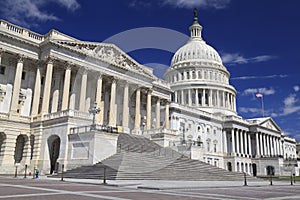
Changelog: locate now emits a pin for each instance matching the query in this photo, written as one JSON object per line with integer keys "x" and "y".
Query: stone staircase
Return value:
{"x": 138, "y": 158}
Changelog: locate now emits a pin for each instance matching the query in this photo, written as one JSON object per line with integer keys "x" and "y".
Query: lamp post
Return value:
{"x": 94, "y": 110}
{"x": 290, "y": 165}
{"x": 16, "y": 169}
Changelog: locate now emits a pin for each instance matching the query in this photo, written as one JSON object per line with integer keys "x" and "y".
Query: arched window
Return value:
{"x": 208, "y": 145}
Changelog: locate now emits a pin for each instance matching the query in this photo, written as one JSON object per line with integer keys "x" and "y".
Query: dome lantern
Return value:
{"x": 196, "y": 28}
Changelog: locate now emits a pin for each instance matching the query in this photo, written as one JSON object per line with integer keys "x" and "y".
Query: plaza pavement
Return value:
{"x": 49, "y": 188}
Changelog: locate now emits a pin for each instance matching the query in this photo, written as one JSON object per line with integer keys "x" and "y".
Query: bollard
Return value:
{"x": 245, "y": 179}
{"x": 294, "y": 175}
{"x": 25, "y": 174}
{"x": 33, "y": 174}
{"x": 104, "y": 175}
{"x": 16, "y": 172}
{"x": 62, "y": 172}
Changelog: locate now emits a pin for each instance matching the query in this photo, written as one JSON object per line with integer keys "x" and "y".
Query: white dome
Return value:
{"x": 196, "y": 51}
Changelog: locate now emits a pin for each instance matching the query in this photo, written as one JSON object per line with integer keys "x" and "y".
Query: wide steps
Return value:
{"x": 138, "y": 158}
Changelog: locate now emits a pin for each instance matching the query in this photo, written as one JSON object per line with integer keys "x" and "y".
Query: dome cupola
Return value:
{"x": 198, "y": 76}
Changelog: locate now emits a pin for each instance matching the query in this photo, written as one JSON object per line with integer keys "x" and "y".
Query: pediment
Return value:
{"x": 270, "y": 124}
{"x": 108, "y": 53}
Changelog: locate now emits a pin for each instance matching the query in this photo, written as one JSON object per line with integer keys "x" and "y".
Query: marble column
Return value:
{"x": 218, "y": 98}
{"x": 83, "y": 91}
{"x": 66, "y": 90}
{"x": 37, "y": 92}
{"x": 238, "y": 141}
{"x": 196, "y": 97}
{"x": 175, "y": 97}
{"x": 1, "y": 54}
{"x": 148, "y": 110}
{"x": 278, "y": 146}
{"x": 190, "y": 97}
{"x": 268, "y": 144}
{"x": 223, "y": 99}
{"x": 157, "y": 112}
{"x": 17, "y": 86}
{"x": 137, "y": 119}
{"x": 249, "y": 145}
{"x": 47, "y": 87}
{"x": 233, "y": 141}
{"x": 225, "y": 142}
{"x": 210, "y": 98}
{"x": 242, "y": 141}
{"x": 281, "y": 147}
{"x": 182, "y": 97}
{"x": 203, "y": 97}
{"x": 245, "y": 142}
{"x": 167, "y": 112}
{"x": 271, "y": 146}
{"x": 257, "y": 145}
{"x": 234, "y": 103}
{"x": 275, "y": 146}
{"x": 228, "y": 103}
{"x": 125, "y": 120}
{"x": 261, "y": 144}
{"x": 100, "y": 103}
{"x": 112, "y": 107}
{"x": 55, "y": 95}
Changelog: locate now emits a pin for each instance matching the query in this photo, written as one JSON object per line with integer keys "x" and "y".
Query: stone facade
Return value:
{"x": 49, "y": 83}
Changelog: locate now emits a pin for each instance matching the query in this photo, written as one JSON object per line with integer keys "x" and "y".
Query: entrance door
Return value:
{"x": 254, "y": 169}
{"x": 270, "y": 170}
{"x": 229, "y": 166}
{"x": 54, "y": 147}
{"x": 19, "y": 149}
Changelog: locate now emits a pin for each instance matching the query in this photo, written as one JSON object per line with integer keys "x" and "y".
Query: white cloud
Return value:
{"x": 296, "y": 88}
{"x": 291, "y": 105}
{"x": 217, "y": 4}
{"x": 24, "y": 11}
{"x": 264, "y": 91}
{"x": 259, "y": 77}
{"x": 203, "y": 4}
{"x": 249, "y": 110}
{"x": 290, "y": 100}
{"x": 236, "y": 58}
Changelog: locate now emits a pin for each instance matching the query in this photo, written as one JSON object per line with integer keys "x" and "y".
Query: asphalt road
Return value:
{"x": 44, "y": 189}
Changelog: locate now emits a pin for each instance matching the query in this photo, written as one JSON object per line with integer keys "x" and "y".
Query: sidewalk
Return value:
{"x": 164, "y": 185}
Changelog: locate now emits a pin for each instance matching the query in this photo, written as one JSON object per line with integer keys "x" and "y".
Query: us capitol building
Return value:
{"x": 49, "y": 85}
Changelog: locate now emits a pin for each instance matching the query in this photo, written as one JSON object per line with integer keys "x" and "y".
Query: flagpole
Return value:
{"x": 262, "y": 106}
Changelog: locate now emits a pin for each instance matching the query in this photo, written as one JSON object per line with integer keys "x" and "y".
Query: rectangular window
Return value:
{"x": 42, "y": 80}
{"x": 2, "y": 70}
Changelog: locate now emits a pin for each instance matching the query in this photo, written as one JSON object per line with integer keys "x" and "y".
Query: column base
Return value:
{"x": 137, "y": 132}
{"x": 125, "y": 129}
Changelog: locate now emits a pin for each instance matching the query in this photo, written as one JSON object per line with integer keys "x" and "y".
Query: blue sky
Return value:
{"x": 257, "y": 39}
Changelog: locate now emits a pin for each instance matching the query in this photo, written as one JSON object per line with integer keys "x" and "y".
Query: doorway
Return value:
{"x": 254, "y": 169}
{"x": 54, "y": 148}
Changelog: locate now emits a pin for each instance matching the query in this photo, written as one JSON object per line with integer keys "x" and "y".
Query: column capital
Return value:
{"x": 21, "y": 58}
{"x": 83, "y": 71}
{"x": 149, "y": 91}
{"x": 1, "y": 51}
{"x": 67, "y": 65}
{"x": 99, "y": 75}
{"x": 114, "y": 80}
{"x": 50, "y": 59}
